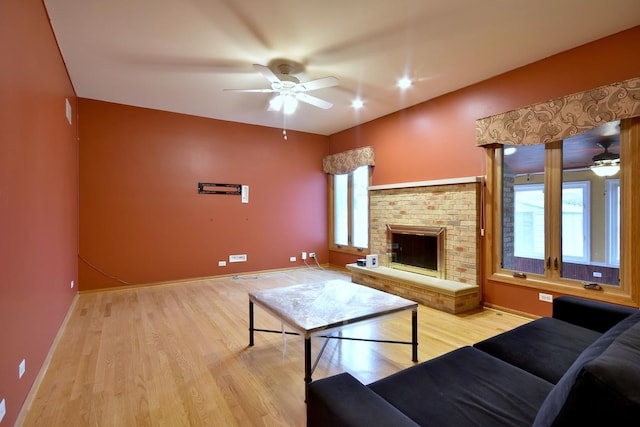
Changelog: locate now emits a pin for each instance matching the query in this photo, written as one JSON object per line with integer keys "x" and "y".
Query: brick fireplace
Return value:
{"x": 453, "y": 205}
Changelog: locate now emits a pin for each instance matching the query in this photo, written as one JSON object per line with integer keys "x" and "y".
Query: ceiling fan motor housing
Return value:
{"x": 605, "y": 156}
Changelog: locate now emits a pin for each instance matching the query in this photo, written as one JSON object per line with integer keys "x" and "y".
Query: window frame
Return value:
{"x": 349, "y": 248}
{"x": 628, "y": 292}
{"x": 612, "y": 221}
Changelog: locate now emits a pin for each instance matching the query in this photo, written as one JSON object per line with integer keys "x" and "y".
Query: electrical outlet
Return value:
{"x": 304, "y": 256}
{"x": 22, "y": 367}
{"x": 238, "y": 258}
{"x": 597, "y": 274}
{"x": 292, "y": 259}
{"x": 3, "y": 410}
{"x": 222, "y": 263}
{"x": 545, "y": 297}
{"x": 312, "y": 254}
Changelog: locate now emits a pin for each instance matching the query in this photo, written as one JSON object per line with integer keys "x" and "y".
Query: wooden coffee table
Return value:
{"x": 318, "y": 309}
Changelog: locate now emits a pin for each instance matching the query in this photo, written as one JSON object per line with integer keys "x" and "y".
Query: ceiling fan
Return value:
{"x": 289, "y": 89}
{"x": 606, "y": 163}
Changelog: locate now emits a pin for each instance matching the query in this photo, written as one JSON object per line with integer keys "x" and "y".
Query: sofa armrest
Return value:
{"x": 343, "y": 401}
{"x": 595, "y": 315}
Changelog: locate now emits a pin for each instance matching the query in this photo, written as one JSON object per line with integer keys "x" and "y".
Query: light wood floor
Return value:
{"x": 178, "y": 355}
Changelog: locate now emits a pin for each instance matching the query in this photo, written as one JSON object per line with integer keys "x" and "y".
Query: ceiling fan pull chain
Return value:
{"x": 284, "y": 130}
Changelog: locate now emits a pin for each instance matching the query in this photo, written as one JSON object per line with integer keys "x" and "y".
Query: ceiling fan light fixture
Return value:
{"x": 606, "y": 163}
{"x": 606, "y": 167}
{"x": 276, "y": 103}
{"x": 290, "y": 104}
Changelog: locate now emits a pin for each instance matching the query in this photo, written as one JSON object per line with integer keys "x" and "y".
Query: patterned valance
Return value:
{"x": 348, "y": 161}
{"x": 562, "y": 117}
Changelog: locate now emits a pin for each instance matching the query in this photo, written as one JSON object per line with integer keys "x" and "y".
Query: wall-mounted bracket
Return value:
{"x": 214, "y": 188}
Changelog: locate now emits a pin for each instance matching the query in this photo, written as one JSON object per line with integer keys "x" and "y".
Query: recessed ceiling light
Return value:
{"x": 357, "y": 104}
{"x": 404, "y": 82}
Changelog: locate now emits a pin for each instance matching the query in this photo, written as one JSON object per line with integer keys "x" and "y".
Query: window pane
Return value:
{"x": 590, "y": 227}
{"x": 361, "y": 207}
{"x": 529, "y": 221}
{"x": 575, "y": 221}
{"x": 340, "y": 210}
{"x": 523, "y": 209}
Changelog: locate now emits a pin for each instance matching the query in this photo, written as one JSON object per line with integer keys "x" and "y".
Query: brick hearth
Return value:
{"x": 446, "y": 295}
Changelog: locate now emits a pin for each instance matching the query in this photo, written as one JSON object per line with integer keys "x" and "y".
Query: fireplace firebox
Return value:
{"x": 416, "y": 249}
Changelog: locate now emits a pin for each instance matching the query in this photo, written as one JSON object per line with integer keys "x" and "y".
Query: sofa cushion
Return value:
{"x": 596, "y": 315}
{"x": 343, "y": 401}
{"x": 465, "y": 387}
{"x": 545, "y": 347}
{"x": 602, "y": 387}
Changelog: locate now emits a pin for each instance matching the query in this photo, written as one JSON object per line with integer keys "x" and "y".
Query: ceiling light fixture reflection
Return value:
{"x": 606, "y": 167}
{"x": 606, "y": 163}
{"x": 510, "y": 151}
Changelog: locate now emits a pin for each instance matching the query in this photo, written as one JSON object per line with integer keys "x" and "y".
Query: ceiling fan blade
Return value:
{"x": 267, "y": 73}
{"x": 318, "y": 84}
{"x": 316, "y": 102}
{"x": 251, "y": 90}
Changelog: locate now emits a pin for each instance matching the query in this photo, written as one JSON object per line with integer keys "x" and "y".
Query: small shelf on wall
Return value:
{"x": 215, "y": 188}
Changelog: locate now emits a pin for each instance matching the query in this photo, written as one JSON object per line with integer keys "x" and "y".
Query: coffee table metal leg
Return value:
{"x": 250, "y": 323}
{"x": 307, "y": 366}
{"x": 414, "y": 333}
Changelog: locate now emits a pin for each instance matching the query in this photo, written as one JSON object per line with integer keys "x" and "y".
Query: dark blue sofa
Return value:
{"x": 579, "y": 367}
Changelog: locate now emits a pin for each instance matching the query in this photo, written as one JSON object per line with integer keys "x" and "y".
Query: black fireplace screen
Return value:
{"x": 416, "y": 250}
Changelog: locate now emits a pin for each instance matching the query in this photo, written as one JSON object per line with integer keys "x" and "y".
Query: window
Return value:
{"x": 576, "y": 220}
{"x": 607, "y": 155}
{"x": 559, "y": 220}
{"x": 523, "y": 209}
{"x": 529, "y": 221}
{"x": 350, "y": 210}
{"x": 341, "y": 210}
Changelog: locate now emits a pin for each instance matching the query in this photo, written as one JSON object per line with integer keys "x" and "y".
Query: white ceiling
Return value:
{"x": 179, "y": 55}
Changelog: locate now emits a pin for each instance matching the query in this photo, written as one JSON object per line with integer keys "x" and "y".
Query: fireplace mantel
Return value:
{"x": 431, "y": 183}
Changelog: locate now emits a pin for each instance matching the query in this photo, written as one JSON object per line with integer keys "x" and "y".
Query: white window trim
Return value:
{"x": 612, "y": 215}
{"x": 586, "y": 221}
{"x": 523, "y": 188}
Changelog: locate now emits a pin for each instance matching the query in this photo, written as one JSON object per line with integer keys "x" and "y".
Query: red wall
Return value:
{"x": 141, "y": 218}
{"x": 38, "y": 196}
{"x": 436, "y": 139}
{"x": 143, "y": 221}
